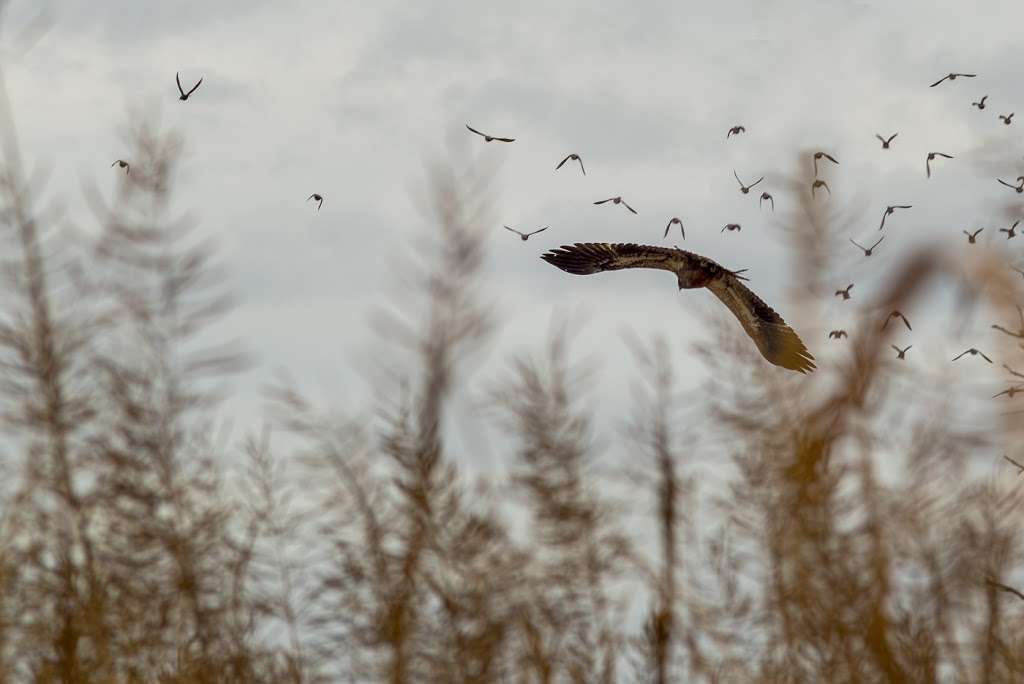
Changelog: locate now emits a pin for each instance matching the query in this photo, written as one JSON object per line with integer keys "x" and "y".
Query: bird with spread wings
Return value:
{"x": 776, "y": 341}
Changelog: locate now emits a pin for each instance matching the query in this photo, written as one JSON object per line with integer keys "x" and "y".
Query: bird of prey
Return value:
{"x": 980, "y": 104}
{"x": 316, "y": 198}
{"x": 972, "y": 237}
{"x": 123, "y": 164}
{"x": 1011, "y": 231}
{"x": 1019, "y": 187}
{"x": 837, "y": 334}
{"x": 819, "y": 155}
{"x": 886, "y": 141}
{"x": 184, "y": 95}
{"x": 776, "y": 341}
{"x": 901, "y": 353}
{"x": 766, "y": 196}
{"x": 951, "y": 77}
{"x": 675, "y": 221}
{"x": 575, "y": 157}
{"x": 731, "y": 227}
{"x": 1009, "y": 392}
{"x": 1007, "y": 118}
{"x": 845, "y": 294}
{"x": 489, "y": 138}
{"x": 973, "y": 352}
{"x": 896, "y": 314}
{"x": 889, "y": 210}
{"x": 746, "y": 188}
{"x": 736, "y": 130}
{"x": 868, "y": 250}
{"x": 617, "y": 200}
{"x": 526, "y": 236}
{"x": 928, "y": 161}
{"x": 817, "y": 184}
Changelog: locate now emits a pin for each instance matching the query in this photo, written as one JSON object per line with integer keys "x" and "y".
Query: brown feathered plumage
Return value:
{"x": 774, "y": 339}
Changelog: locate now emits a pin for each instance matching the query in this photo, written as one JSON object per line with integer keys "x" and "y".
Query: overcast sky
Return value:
{"x": 350, "y": 99}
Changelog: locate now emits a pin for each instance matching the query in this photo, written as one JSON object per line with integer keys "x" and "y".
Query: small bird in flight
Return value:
{"x": 1020, "y": 468}
{"x": 896, "y": 314}
{"x": 766, "y": 196}
{"x": 845, "y": 294}
{"x": 819, "y": 155}
{"x": 1007, "y": 118}
{"x": 972, "y": 237}
{"x": 776, "y": 341}
{"x": 574, "y": 157}
{"x": 901, "y": 353}
{"x": 817, "y": 184}
{"x": 980, "y": 104}
{"x": 675, "y": 221}
{"x": 731, "y": 227}
{"x": 1019, "y": 187}
{"x": 951, "y": 77}
{"x": 316, "y": 198}
{"x": 837, "y": 334}
{"x": 489, "y": 138}
{"x": 889, "y": 210}
{"x": 526, "y": 236}
{"x": 1011, "y": 231}
{"x": 746, "y": 188}
{"x": 886, "y": 141}
{"x": 123, "y": 164}
{"x": 617, "y": 200}
{"x": 869, "y": 250}
{"x": 184, "y": 95}
{"x": 928, "y": 161}
{"x": 973, "y": 352}
{"x": 1009, "y": 392}
{"x": 735, "y": 130}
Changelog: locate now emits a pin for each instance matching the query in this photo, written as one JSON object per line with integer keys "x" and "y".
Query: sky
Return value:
{"x": 354, "y": 100}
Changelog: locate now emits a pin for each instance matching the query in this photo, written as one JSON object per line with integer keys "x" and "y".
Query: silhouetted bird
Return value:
{"x": 526, "y": 236}
{"x": 896, "y": 314}
{"x": 972, "y": 237}
{"x": 1011, "y": 231}
{"x": 973, "y": 352}
{"x": 746, "y": 188}
{"x": 574, "y": 157}
{"x": 886, "y": 141}
{"x": 1009, "y": 392}
{"x": 1007, "y": 118}
{"x": 489, "y": 138}
{"x": 736, "y": 130}
{"x": 869, "y": 250}
{"x": 951, "y": 77}
{"x": 675, "y": 221}
{"x": 819, "y": 155}
{"x": 617, "y": 200}
{"x": 184, "y": 95}
{"x": 123, "y": 164}
{"x": 837, "y": 334}
{"x": 889, "y": 210}
{"x": 817, "y": 184}
{"x": 980, "y": 104}
{"x": 928, "y": 161}
{"x": 316, "y": 198}
{"x": 1019, "y": 187}
{"x": 900, "y": 353}
{"x": 845, "y": 294}
{"x": 731, "y": 227}
{"x": 766, "y": 196}
{"x": 776, "y": 341}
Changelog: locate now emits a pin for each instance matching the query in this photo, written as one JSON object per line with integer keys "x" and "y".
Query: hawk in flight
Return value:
{"x": 774, "y": 339}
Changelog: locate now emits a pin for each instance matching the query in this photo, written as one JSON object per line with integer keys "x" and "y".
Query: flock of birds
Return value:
{"x": 776, "y": 341}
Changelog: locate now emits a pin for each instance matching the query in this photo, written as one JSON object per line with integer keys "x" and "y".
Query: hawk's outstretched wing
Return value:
{"x": 776, "y": 341}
